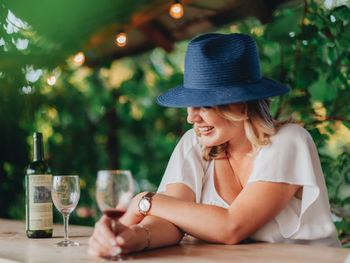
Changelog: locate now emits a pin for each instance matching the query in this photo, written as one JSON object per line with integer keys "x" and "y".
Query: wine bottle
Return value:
{"x": 38, "y": 182}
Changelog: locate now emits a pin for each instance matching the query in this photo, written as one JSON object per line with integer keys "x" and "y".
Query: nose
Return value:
{"x": 193, "y": 115}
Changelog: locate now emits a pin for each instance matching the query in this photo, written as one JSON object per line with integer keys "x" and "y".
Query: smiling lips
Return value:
{"x": 205, "y": 130}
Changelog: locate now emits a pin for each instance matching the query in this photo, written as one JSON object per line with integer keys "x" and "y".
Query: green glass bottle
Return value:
{"x": 38, "y": 181}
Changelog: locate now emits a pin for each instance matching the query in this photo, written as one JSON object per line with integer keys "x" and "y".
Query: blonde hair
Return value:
{"x": 259, "y": 126}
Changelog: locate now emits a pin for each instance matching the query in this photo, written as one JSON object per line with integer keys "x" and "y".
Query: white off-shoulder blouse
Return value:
{"x": 290, "y": 158}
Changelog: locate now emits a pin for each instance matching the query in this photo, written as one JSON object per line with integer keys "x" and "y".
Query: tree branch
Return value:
{"x": 345, "y": 240}
{"x": 298, "y": 51}
{"x": 330, "y": 118}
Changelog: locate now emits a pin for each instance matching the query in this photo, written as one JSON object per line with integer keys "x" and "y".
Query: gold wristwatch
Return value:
{"x": 145, "y": 203}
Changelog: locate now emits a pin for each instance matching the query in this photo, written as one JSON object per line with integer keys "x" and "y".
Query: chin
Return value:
{"x": 210, "y": 143}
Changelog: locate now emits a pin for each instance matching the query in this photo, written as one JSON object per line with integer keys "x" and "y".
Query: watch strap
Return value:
{"x": 148, "y": 196}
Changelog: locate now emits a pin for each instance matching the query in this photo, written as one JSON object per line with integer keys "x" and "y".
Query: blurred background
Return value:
{"x": 86, "y": 74}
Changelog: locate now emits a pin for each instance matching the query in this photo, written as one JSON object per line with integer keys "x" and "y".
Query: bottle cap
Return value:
{"x": 37, "y": 135}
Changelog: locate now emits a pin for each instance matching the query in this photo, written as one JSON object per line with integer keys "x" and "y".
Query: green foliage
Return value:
{"x": 308, "y": 49}
{"x": 107, "y": 118}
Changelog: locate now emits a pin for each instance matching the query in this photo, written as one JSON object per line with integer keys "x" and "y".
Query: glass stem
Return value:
{"x": 66, "y": 230}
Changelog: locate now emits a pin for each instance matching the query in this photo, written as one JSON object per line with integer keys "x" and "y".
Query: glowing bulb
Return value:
{"x": 79, "y": 59}
{"x": 176, "y": 11}
{"x": 121, "y": 39}
{"x": 51, "y": 80}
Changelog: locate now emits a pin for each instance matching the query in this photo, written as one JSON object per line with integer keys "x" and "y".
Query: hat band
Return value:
{"x": 204, "y": 85}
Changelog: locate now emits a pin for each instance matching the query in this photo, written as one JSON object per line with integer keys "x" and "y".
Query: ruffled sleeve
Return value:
{"x": 186, "y": 165}
{"x": 292, "y": 158}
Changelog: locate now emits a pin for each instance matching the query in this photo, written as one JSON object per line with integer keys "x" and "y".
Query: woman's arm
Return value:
{"x": 158, "y": 226}
{"x": 124, "y": 237}
{"x": 258, "y": 203}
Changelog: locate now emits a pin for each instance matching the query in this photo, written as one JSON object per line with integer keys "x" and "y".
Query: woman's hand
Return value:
{"x": 103, "y": 242}
{"x": 111, "y": 238}
{"x": 133, "y": 215}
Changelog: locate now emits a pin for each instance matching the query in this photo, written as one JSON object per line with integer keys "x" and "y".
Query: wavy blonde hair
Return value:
{"x": 259, "y": 126}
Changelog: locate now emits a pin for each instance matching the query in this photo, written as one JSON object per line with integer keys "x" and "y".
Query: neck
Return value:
{"x": 239, "y": 148}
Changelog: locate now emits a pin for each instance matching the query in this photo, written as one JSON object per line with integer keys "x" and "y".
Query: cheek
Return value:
{"x": 226, "y": 127}
{"x": 228, "y": 130}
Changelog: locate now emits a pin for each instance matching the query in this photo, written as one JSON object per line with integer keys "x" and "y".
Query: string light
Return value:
{"x": 176, "y": 10}
{"x": 121, "y": 39}
{"x": 79, "y": 59}
{"x": 51, "y": 80}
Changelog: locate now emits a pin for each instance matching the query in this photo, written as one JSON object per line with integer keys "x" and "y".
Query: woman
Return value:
{"x": 238, "y": 173}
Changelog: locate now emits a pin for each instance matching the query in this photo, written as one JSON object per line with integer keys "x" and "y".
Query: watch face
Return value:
{"x": 144, "y": 205}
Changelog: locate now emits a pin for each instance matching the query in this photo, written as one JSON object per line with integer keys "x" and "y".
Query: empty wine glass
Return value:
{"x": 65, "y": 195}
{"x": 114, "y": 190}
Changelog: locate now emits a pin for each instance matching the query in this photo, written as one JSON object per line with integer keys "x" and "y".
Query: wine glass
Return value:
{"x": 114, "y": 190}
{"x": 65, "y": 195}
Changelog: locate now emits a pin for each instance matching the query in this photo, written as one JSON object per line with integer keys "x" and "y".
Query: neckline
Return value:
{"x": 248, "y": 181}
{"x": 214, "y": 188}
{"x": 234, "y": 174}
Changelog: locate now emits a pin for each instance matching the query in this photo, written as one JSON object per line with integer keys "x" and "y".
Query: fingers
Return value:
{"x": 103, "y": 232}
{"x": 103, "y": 242}
{"x": 132, "y": 215}
{"x": 98, "y": 250}
{"x": 132, "y": 239}
{"x": 124, "y": 238}
{"x": 119, "y": 227}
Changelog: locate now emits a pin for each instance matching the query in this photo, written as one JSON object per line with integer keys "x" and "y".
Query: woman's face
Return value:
{"x": 214, "y": 129}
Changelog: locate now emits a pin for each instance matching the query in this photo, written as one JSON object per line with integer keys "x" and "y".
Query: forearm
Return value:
{"x": 256, "y": 205}
{"x": 158, "y": 227}
{"x": 207, "y": 222}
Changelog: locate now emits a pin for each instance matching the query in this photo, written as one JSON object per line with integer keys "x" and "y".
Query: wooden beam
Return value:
{"x": 158, "y": 34}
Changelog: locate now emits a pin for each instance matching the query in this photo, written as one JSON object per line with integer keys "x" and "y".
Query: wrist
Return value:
{"x": 145, "y": 236}
{"x": 145, "y": 202}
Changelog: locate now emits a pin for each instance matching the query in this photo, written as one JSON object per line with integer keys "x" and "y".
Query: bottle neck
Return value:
{"x": 38, "y": 150}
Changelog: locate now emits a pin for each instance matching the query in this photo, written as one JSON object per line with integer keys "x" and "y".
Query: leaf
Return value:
{"x": 322, "y": 91}
{"x": 346, "y": 124}
{"x": 341, "y": 12}
{"x": 305, "y": 76}
{"x": 310, "y": 32}
{"x": 279, "y": 29}
{"x": 344, "y": 37}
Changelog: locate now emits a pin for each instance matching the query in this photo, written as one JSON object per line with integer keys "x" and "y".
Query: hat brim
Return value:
{"x": 186, "y": 97}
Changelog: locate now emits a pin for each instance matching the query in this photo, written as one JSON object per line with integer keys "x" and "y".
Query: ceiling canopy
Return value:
{"x": 91, "y": 26}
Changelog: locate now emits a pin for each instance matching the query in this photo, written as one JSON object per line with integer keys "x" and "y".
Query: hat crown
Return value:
{"x": 221, "y": 69}
{"x": 218, "y": 60}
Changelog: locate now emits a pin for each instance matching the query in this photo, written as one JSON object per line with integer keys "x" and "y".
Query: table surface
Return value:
{"x": 16, "y": 247}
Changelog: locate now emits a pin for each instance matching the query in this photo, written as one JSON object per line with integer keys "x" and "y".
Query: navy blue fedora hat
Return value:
{"x": 221, "y": 69}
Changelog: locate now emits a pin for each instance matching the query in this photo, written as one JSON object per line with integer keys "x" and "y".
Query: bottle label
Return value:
{"x": 40, "y": 204}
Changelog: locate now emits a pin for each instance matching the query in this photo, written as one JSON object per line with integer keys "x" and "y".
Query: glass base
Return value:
{"x": 67, "y": 243}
